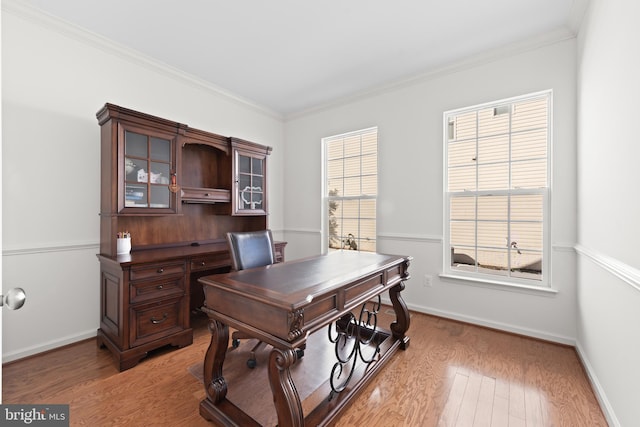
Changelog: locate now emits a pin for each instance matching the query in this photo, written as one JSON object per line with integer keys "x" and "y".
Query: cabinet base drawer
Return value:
{"x": 153, "y": 321}
{"x": 155, "y": 289}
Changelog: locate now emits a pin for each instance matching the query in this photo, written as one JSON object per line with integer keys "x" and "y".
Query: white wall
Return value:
{"x": 608, "y": 323}
{"x": 410, "y": 211}
{"x": 54, "y": 79}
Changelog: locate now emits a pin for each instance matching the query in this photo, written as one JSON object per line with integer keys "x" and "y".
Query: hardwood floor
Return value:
{"x": 452, "y": 374}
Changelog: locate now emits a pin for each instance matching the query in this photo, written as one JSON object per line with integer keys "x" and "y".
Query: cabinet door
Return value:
{"x": 250, "y": 193}
{"x": 147, "y": 160}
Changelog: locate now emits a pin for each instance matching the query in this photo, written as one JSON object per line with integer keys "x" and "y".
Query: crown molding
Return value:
{"x": 492, "y": 55}
{"x": 77, "y": 33}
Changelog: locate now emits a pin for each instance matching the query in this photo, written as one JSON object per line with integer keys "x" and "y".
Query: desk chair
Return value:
{"x": 251, "y": 249}
{"x": 248, "y": 250}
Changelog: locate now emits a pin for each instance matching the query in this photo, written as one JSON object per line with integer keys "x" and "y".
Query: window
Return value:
{"x": 497, "y": 190}
{"x": 351, "y": 188}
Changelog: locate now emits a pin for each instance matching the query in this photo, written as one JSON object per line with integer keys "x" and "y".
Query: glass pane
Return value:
{"x": 370, "y": 142}
{"x": 462, "y": 257}
{"x": 135, "y": 195}
{"x": 527, "y": 207}
{"x": 142, "y": 175}
{"x": 335, "y": 168}
{"x": 160, "y": 173}
{"x": 368, "y": 210}
{"x": 370, "y": 185}
{"x": 135, "y": 144}
{"x": 493, "y": 176}
{"x": 492, "y": 121}
{"x": 161, "y": 149}
{"x": 352, "y": 186}
{"x": 257, "y": 183}
{"x": 462, "y": 153}
{"x": 464, "y": 126}
{"x": 462, "y": 179}
{"x": 256, "y": 200}
{"x": 526, "y": 235}
{"x": 493, "y": 261}
{"x": 530, "y": 114}
{"x": 529, "y": 174}
{"x": 256, "y": 165}
{"x": 368, "y": 245}
{"x": 352, "y": 166}
{"x": 527, "y": 265}
{"x": 494, "y": 149}
{"x": 367, "y": 229}
{"x": 335, "y": 187}
{"x": 131, "y": 168}
{"x": 529, "y": 145}
{"x": 369, "y": 165}
{"x": 349, "y": 226}
{"x": 334, "y": 149}
{"x": 159, "y": 196}
{"x": 493, "y": 208}
{"x": 244, "y": 164}
{"x": 352, "y": 146}
{"x": 462, "y": 208}
{"x": 244, "y": 182}
{"x": 463, "y": 233}
{"x": 492, "y": 234}
{"x": 351, "y": 209}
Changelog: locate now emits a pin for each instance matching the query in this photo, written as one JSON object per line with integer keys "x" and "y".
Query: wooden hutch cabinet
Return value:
{"x": 176, "y": 191}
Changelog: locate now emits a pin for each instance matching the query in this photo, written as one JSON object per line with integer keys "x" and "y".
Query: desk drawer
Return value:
{"x": 210, "y": 261}
{"x": 157, "y": 270}
{"x": 147, "y": 290}
{"x": 154, "y": 321}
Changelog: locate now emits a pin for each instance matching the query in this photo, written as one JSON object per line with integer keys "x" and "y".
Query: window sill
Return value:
{"x": 500, "y": 285}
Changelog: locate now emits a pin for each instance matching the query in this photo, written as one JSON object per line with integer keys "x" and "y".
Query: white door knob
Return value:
{"x": 14, "y": 299}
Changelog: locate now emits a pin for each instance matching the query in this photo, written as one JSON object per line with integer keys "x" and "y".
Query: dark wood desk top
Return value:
{"x": 292, "y": 299}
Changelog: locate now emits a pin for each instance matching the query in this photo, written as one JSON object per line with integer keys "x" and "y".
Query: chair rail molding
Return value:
{"x": 55, "y": 247}
{"x": 623, "y": 271}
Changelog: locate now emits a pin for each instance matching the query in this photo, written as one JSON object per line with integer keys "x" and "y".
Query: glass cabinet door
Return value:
{"x": 148, "y": 164}
{"x": 251, "y": 181}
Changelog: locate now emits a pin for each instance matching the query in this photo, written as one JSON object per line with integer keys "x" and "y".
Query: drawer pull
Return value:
{"x": 160, "y": 270}
{"x": 203, "y": 263}
{"x": 159, "y": 287}
{"x": 157, "y": 321}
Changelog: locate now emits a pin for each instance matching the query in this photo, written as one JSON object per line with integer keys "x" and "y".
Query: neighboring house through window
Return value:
{"x": 350, "y": 189}
{"x": 497, "y": 177}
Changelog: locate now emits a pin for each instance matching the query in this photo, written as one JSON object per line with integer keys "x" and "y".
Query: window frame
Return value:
{"x": 325, "y": 190}
{"x": 544, "y": 283}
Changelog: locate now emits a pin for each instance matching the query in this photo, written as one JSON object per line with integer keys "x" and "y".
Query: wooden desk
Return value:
{"x": 282, "y": 305}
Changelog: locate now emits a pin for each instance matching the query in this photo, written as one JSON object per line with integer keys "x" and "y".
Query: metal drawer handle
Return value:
{"x": 159, "y": 287}
{"x": 156, "y": 321}
{"x": 160, "y": 270}
{"x": 203, "y": 263}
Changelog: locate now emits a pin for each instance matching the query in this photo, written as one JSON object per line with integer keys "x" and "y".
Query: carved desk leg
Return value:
{"x": 285, "y": 395}
{"x": 214, "y": 383}
{"x": 401, "y": 325}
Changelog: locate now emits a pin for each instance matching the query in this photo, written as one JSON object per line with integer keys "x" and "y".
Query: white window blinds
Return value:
{"x": 351, "y": 189}
{"x": 496, "y": 187}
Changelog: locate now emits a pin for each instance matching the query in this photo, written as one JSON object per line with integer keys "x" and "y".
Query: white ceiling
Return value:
{"x": 292, "y": 55}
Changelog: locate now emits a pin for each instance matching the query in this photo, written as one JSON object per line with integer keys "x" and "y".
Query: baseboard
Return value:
{"x": 601, "y": 396}
{"x": 40, "y": 348}
{"x": 532, "y": 333}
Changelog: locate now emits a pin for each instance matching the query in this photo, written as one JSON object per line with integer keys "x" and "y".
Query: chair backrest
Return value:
{"x": 250, "y": 249}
